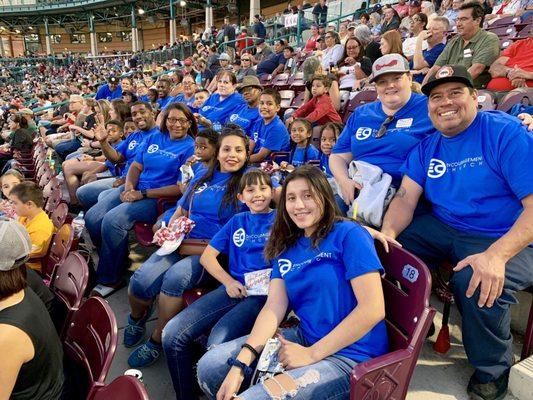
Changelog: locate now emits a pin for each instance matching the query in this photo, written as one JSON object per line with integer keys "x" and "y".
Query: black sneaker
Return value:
{"x": 493, "y": 390}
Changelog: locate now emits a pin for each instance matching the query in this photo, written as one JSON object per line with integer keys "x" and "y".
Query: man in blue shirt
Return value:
{"x": 474, "y": 173}
{"x": 275, "y": 63}
{"x": 258, "y": 27}
{"x": 435, "y": 39}
{"x": 163, "y": 91}
{"x": 109, "y": 91}
{"x": 320, "y": 12}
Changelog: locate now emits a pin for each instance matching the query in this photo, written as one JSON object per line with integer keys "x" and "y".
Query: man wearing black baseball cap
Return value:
{"x": 111, "y": 90}
{"x": 474, "y": 172}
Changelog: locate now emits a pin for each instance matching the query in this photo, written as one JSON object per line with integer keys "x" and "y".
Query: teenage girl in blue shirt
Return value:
{"x": 210, "y": 201}
{"x": 230, "y": 310}
{"x": 326, "y": 269}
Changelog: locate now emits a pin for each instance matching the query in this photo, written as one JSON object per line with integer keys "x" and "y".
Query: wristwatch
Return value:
{"x": 144, "y": 193}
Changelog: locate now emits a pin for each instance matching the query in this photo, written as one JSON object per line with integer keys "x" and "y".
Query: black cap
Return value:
{"x": 112, "y": 79}
{"x": 448, "y": 73}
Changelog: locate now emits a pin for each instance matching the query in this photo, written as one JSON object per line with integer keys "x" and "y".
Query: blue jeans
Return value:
{"x": 483, "y": 328}
{"x": 108, "y": 223}
{"x": 228, "y": 319}
{"x": 65, "y": 148}
{"x": 326, "y": 379}
{"x": 88, "y": 194}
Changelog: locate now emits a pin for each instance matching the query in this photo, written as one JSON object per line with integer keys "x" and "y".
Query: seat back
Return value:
{"x": 193, "y": 247}
{"x": 406, "y": 287}
{"x": 505, "y": 21}
{"x": 89, "y": 346}
{"x": 363, "y": 97}
{"x": 45, "y": 178}
{"x": 485, "y": 100}
{"x": 298, "y": 101}
{"x": 504, "y": 31}
{"x": 514, "y": 97}
{"x": 50, "y": 186}
{"x": 59, "y": 249}
{"x": 122, "y": 388}
{"x": 286, "y": 98}
{"x": 53, "y": 201}
{"x": 59, "y": 215}
{"x": 43, "y": 168}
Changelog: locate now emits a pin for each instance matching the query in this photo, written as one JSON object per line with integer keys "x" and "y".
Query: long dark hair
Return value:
{"x": 122, "y": 110}
{"x": 230, "y": 196}
{"x": 284, "y": 232}
{"x": 345, "y": 54}
{"x": 309, "y": 128}
{"x": 193, "y": 127}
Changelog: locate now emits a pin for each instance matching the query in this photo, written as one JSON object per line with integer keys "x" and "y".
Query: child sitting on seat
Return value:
{"x": 319, "y": 110}
{"x": 28, "y": 201}
{"x": 329, "y": 134}
{"x": 229, "y": 311}
{"x": 302, "y": 150}
{"x": 7, "y": 182}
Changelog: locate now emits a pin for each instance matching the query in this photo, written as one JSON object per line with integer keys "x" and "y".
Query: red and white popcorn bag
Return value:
{"x": 169, "y": 238}
{"x": 256, "y": 283}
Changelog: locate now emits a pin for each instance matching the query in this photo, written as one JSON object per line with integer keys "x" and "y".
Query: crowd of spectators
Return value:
{"x": 212, "y": 131}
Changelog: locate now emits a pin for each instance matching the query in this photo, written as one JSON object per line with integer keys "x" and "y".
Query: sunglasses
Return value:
{"x": 382, "y": 131}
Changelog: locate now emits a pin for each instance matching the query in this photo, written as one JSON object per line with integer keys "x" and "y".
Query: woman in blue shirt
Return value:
{"x": 154, "y": 173}
{"x": 218, "y": 108}
{"x": 210, "y": 201}
{"x": 326, "y": 269}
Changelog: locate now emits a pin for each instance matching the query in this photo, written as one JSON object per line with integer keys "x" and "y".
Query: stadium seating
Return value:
{"x": 122, "y": 388}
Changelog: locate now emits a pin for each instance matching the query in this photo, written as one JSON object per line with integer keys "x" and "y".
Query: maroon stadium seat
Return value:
{"x": 122, "y": 388}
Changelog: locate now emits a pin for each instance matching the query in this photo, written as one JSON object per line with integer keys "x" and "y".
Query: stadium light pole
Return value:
{"x": 208, "y": 15}
{"x": 92, "y": 36}
{"x": 134, "y": 34}
{"x": 172, "y": 22}
{"x": 47, "y": 38}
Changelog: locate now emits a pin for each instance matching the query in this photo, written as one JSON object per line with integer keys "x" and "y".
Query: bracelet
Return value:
{"x": 254, "y": 351}
{"x": 247, "y": 371}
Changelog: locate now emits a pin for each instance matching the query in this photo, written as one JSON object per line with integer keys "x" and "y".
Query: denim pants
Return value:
{"x": 65, "y": 148}
{"x": 88, "y": 194}
{"x": 326, "y": 379}
{"x": 483, "y": 328}
{"x": 228, "y": 319}
{"x": 108, "y": 223}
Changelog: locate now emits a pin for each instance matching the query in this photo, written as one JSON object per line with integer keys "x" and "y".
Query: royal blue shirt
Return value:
{"x": 324, "y": 165}
{"x": 129, "y": 146}
{"x": 112, "y": 167}
{"x": 273, "y": 136}
{"x": 476, "y": 179}
{"x": 243, "y": 239}
{"x": 207, "y": 210}
{"x": 301, "y": 155}
{"x": 319, "y": 289}
{"x": 163, "y": 103}
{"x": 246, "y": 118}
{"x": 180, "y": 98}
{"x": 410, "y": 125}
{"x": 218, "y": 112}
{"x": 430, "y": 56}
{"x": 269, "y": 64}
{"x": 104, "y": 92}
{"x": 161, "y": 158}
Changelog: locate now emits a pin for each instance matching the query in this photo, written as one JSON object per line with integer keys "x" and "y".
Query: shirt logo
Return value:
{"x": 363, "y": 133}
{"x": 255, "y": 136}
{"x": 233, "y": 117}
{"x": 202, "y": 187}
{"x": 436, "y": 169}
{"x": 152, "y": 148}
{"x": 239, "y": 237}
{"x": 132, "y": 145}
{"x": 284, "y": 266}
{"x": 206, "y": 108}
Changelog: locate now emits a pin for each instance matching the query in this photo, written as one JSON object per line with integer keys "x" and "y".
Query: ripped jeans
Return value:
{"x": 326, "y": 379}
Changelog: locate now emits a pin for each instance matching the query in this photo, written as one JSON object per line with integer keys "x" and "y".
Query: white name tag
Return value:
{"x": 467, "y": 53}
{"x": 256, "y": 283}
{"x": 404, "y": 123}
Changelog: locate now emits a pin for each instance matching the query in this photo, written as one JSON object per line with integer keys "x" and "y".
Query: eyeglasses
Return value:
{"x": 181, "y": 121}
{"x": 245, "y": 59}
{"x": 382, "y": 131}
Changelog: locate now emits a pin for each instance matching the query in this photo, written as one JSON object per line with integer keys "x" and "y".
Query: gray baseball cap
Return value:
{"x": 389, "y": 63}
{"x": 15, "y": 244}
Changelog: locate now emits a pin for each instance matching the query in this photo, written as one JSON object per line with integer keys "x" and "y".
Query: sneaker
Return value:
{"x": 493, "y": 390}
{"x": 145, "y": 355}
{"x": 134, "y": 331}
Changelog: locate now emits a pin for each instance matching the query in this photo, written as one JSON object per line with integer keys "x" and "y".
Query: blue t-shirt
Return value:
{"x": 243, "y": 239}
{"x": 273, "y": 136}
{"x": 112, "y": 167}
{"x": 161, "y": 158}
{"x": 129, "y": 146}
{"x": 180, "y": 98}
{"x": 163, "y": 103}
{"x": 104, "y": 92}
{"x": 319, "y": 289}
{"x": 430, "y": 56}
{"x": 269, "y": 64}
{"x": 207, "y": 211}
{"x": 246, "y": 118}
{"x": 218, "y": 112}
{"x": 410, "y": 125}
{"x": 476, "y": 179}
{"x": 324, "y": 165}
{"x": 300, "y": 156}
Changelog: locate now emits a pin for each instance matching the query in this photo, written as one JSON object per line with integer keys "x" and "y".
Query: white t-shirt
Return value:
{"x": 409, "y": 45}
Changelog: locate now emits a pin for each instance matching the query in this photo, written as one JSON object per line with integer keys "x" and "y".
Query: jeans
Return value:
{"x": 482, "y": 327}
{"x": 228, "y": 319}
{"x": 108, "y": 223}
{"x": 326, "y": 379}
{"x": 88, "y": 194}
{"x": 65, "y": 148}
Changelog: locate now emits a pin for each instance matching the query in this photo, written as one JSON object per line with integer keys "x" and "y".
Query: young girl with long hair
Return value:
{"x": 302, "y": 150}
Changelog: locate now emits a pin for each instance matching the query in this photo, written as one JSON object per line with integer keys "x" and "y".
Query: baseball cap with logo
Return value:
{"x": 448, "y": 73}
{"x": 15, "y": 244}
{"x": 112, "y": 79}
{"x": 387, "y": 64}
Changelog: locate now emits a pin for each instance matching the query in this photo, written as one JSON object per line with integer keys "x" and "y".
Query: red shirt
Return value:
{"x": 311, "y": 43}
{"x": 242, "y": 42}
{"x": 520, "y": 53}
{"x": 319, "y": 109}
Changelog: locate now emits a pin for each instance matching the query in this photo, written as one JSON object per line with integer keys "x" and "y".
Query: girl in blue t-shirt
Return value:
{"x": 210, "y": 201}
{"x": 230, "y": 310}
{"x": 302, "y": 150}
{"x": 326, "y": 269}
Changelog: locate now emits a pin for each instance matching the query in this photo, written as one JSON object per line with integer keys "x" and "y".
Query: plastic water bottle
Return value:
{"x": 53, "y": 165}
{"x": 78, "y": 224}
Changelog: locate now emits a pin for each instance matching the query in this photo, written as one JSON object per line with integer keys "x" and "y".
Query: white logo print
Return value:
{"x": 284, "y": 266}
{"x": 436, "y": 169}
{"x": 233, "y": 117}
{"x": 132, "y": 145}
{"x": 255, "y": 135}
{"x": 363, "y": 133}
{"x": 239, "y": 237}
{"x": 152, "y": 148}
{"x": 206, "y": 108}
{"x": 201, "y": 188}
